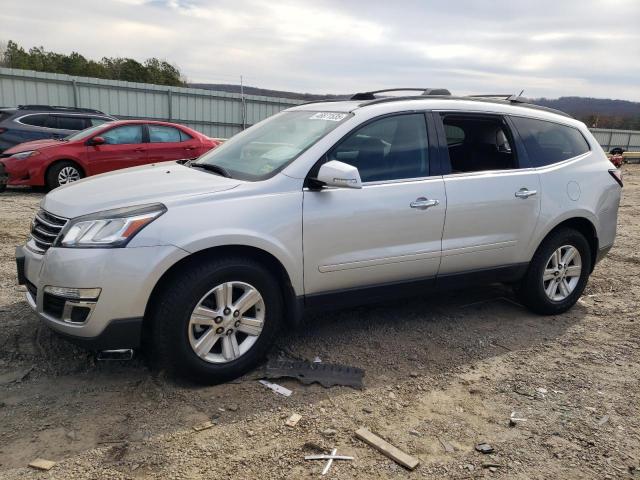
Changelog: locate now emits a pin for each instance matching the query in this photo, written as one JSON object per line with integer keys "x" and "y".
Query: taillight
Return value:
{"x": 617, "y": 175}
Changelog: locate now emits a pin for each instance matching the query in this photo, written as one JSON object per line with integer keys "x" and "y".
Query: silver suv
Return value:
{"x": 321, "y": 205}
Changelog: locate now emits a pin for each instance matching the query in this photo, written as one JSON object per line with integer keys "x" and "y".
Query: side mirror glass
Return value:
{"x": 97, "y": 141}
{"x": 340, "y": 175}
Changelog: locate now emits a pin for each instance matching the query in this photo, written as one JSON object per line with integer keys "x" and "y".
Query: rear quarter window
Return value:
{"x": 34, "y": 120}
{"x": 547, "y": 143}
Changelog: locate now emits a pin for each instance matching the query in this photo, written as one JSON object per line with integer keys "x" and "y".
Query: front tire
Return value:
{"x": 557, "y": 274}
{"x": 63, "y": 173}
{"x": 216, "y": 320}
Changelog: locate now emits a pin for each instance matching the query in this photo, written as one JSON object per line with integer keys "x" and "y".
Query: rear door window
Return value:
{"x": 547, "y": 143}
{"x": 127, "y": 134}
{"x": 478, "y": 143}
{"x": 164, "y": 134}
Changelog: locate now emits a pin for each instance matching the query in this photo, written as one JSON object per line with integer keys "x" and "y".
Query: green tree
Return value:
{"x": 151, "y": 70}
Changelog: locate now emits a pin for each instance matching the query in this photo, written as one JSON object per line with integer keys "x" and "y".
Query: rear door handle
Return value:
{"x": 525, "y": 193}
{"x": 422, "y": 203}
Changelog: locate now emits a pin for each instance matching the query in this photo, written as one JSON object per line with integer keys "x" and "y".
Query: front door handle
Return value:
{"x": 525, "y": 193}
{"x": 422, "y": 203}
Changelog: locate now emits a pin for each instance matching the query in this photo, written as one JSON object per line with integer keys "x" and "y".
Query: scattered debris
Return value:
{"x": 330, "y": 458}
{"x": 515, "y": 418}
{"x": 277, "y": 388}
{"x": 325, "y": 374}
{"x": 367, "y": 409}
{"x": 203, "y": 426}
{"x": 329, "y": 432}
{"x": 233, "y": 407}
{"x": 293, "y": 420}
{"x": 413, "y": 374}
{"x": 446, "y": 445}
{"x": 603, "y": 420}
{"x": 317, "y": 360}
{"x": 42, "y": 464}
{"x": 15, "y": 376}
{"x": 496, "y": 344}
{"x": 484, "y": 448}
{"x": 415, "y": 433}
{"x": 387, "y": 449}
{"x": 491, "y": 465}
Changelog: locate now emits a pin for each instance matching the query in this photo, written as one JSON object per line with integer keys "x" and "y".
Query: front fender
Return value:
{"x": 271, "y": 222}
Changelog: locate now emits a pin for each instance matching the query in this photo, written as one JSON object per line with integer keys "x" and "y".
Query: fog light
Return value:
{"x": 74, "y": 293}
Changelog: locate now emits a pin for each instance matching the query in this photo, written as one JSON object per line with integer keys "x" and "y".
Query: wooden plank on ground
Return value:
{"x": 42, "y": 464}
{"x": 387, "y": 449}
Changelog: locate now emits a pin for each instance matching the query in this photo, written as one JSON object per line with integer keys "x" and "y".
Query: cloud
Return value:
{"x": 547, "y": 47}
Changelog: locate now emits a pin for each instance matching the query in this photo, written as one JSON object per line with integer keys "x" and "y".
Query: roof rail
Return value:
{"x": 504, "y": 96}
{"x": 51, "y": 108}
{"x": 425, "y": 91}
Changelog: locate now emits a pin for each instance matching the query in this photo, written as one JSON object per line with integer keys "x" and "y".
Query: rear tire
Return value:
{"x": 215, "y": 347}
{"x": 557, "y": 274}
{"x": 63, "y": 173}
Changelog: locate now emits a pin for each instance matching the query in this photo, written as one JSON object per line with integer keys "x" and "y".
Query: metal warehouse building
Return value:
{"x": 216, "y": 114}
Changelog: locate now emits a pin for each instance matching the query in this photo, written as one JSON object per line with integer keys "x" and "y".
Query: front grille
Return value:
{"x": 53, "y": 305}
{"x": 45, "y": 228}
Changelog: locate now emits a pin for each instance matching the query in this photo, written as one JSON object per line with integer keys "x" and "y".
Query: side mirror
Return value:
{"x": 98, "y": 141}
{"x": 339, "y": 174}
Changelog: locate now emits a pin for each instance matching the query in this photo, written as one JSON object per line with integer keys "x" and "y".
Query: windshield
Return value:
{"x": 87, "y": 132}
{"x": 266, "y": 148}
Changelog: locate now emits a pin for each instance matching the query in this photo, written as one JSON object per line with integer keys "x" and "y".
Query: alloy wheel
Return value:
{"x": 68, "y": 175}
{"x": 226, "y": 322}
{"x": 562, "y": 273}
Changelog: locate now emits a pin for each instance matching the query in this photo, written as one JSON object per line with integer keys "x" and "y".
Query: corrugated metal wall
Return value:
{"x": 217, "y": 114}
{"x": 627, "y": 139}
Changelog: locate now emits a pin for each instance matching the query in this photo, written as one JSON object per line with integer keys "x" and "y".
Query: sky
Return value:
{"x": 548, "y": 48}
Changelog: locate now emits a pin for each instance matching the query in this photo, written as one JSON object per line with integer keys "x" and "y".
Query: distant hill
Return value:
{"x": 600, "y": 112}
{"x": 595, "y": 112}
{"x": 308, "y": 97}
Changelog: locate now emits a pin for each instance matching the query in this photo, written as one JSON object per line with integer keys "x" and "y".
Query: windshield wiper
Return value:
{"x": 211, "y": 168}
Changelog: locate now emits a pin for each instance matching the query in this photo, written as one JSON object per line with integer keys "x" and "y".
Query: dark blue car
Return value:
{"x": 34, "y": 122}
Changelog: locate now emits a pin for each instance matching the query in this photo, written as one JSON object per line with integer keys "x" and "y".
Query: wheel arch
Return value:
{"x": 584, "y": 226}
{"x": 292, "y": 304}
{"x": 60, "y": 160}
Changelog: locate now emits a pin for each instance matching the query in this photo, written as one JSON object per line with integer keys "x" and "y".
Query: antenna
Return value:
{"x": 521, "y": 92}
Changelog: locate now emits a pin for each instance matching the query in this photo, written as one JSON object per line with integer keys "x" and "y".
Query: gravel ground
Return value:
{"x": 447, "y": 370}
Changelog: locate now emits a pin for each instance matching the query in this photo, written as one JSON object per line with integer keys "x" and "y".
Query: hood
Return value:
{"x": 33, "y": 145}
{"x": 160, "y": 182}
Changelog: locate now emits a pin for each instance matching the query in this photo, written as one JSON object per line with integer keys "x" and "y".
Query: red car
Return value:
{"x": 107, "y": 147}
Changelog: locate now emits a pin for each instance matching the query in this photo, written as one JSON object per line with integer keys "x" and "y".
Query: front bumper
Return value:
{"x": 126, "y": 277}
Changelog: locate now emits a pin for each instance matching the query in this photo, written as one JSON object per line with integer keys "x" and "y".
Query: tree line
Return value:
{"x": 152, "y": 70}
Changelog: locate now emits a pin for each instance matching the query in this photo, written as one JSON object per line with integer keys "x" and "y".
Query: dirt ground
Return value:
{"x": 439, "y": 371}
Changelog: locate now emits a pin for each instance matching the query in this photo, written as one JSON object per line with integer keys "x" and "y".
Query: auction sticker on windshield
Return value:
{"x": 332, "y": 116}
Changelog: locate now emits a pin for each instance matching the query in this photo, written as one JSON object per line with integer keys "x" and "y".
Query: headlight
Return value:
{"x": 111, "y": 228}
{"x": 23, "y": 155}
